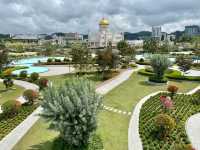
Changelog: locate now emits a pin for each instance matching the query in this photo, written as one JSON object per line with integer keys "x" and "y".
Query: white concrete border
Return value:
{"x": 134, "y": 140}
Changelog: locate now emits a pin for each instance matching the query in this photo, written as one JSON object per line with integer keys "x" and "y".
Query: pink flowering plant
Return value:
{"x": 166, "y": 102}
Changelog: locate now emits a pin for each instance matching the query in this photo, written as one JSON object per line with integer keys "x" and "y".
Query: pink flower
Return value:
{"x": 166, "y": 102}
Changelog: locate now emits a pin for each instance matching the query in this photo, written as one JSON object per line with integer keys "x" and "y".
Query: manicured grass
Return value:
{"x": 183, "y": 109}
{"x": 11, "y": 94}
{"x": 131, "y": 91}
{"x": 113, "y": 128}
{"x": 57, "y": 80}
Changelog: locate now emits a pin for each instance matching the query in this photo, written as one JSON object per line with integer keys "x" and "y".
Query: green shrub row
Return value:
{"x": 7, "y": 124}
{"x": 176, "y": 75}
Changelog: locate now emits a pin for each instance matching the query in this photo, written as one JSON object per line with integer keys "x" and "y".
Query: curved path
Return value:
{"x": 54, "y": 70}
{"x": 134, "y": 140}
{"x": 9, "y": 141}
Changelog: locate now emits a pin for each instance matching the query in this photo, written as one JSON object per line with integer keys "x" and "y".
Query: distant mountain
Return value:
{"x": 137, "y": 36}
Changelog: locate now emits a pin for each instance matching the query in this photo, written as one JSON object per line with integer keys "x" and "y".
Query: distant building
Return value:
{"x": 134, "y": 43}
{"x": 103, "y": 37}
{"x": 192, "y": 30}
{"x": 28, "y": 38}
{"x": 157, "y": 32}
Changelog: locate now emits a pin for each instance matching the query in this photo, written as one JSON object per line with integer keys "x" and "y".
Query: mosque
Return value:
{"x": 104, "y": 36}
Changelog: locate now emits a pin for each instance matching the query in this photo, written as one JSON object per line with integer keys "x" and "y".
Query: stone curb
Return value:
{"x": 134, "y": 140}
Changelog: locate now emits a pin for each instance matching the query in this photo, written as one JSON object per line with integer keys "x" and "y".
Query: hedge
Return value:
{"x": 176, "y": 75}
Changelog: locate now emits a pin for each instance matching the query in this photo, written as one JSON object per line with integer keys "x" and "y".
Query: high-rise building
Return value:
{"x": 192, "y": 30}
{"x": 156, "y": 32}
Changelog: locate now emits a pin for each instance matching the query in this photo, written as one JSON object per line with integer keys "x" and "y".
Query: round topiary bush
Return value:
{"x": 8, "y": 82}
{"x": 30, "y": 96}
{"x": 49, "y": 60}
{"x": 43, "y": 83}
{"x": 172, "y": 89}
{"x": 7, "y": 73}
{"x": 23, "y": 74}
{"x": 164, "y": 125}
{"x": 10, "y": 108}
{"x": 34, "y": 76}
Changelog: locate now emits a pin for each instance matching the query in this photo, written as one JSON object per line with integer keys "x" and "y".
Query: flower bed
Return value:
{"x": 183, "y": 108}
{"x": 8, "y": 124}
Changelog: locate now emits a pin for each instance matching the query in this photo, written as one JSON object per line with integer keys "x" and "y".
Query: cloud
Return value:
{"x": 47, "y": 16}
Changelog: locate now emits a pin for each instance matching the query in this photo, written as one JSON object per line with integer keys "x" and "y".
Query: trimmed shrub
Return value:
{"x": 132, "y": 65}
{"x": 172, "y": 89}
{"x": 34, "y": 76}
{"x": 23, "y": 74}
{"x": 8, "y": 82}
{"x": 57, "y": 60}
{"x": 157, "y": 80}
{"x": 7, "y": 73}
{"x": 30, "y": 96}
{"x": 49, "y": 60}
{"x": 71, "y": 110}
{"x": 43, "y": 83}
{"x": 164, "y": 125}
{"x": 10, "y": 108}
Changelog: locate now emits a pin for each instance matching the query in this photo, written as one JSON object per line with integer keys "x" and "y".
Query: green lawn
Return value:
{"x": 113, "y": 128}
{"x": 57, "y": 80}
{"x": 11, "y": 94}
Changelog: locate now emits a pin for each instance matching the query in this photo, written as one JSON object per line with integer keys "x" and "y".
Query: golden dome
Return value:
{"x": 104, "y": 22}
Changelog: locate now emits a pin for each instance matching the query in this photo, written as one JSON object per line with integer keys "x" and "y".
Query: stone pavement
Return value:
{"x": 54, "y": 70}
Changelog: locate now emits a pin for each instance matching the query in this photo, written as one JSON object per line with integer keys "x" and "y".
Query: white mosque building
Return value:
{"x": 104, "y": 36}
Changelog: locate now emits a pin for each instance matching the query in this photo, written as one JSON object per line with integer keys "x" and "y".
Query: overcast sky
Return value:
{"x": 47, "y": 16}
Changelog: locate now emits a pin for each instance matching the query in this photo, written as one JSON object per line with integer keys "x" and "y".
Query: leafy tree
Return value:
{"x": 126, "y": 51}
{"x": 159, "y": 64}
{"x": 71, "y": 110}
{"x": 3, "y": 57}
{"x": 81, "y": 56}
{"x": 151, "y": 45}
{"x": 107, "y": 60}
{"x": 184, "y": 63}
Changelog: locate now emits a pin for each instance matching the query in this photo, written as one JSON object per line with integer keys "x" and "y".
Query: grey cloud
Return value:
{"x": 45, "y": 16}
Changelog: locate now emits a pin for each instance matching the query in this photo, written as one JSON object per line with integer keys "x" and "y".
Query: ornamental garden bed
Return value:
{"x": 184, "y": 106}
{"x": 7, "y": 124}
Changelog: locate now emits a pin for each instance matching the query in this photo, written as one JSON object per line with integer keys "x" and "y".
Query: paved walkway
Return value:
{"x": 57, "y": 70}
{"x": 8, "y": 142}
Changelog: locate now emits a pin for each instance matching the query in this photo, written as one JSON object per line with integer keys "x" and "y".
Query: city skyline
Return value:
{"x": 40, "y": 16}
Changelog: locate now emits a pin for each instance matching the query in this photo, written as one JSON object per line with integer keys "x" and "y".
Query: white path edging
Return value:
{"x": 8, "y": 142}
{"x": 134, "y": 140}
